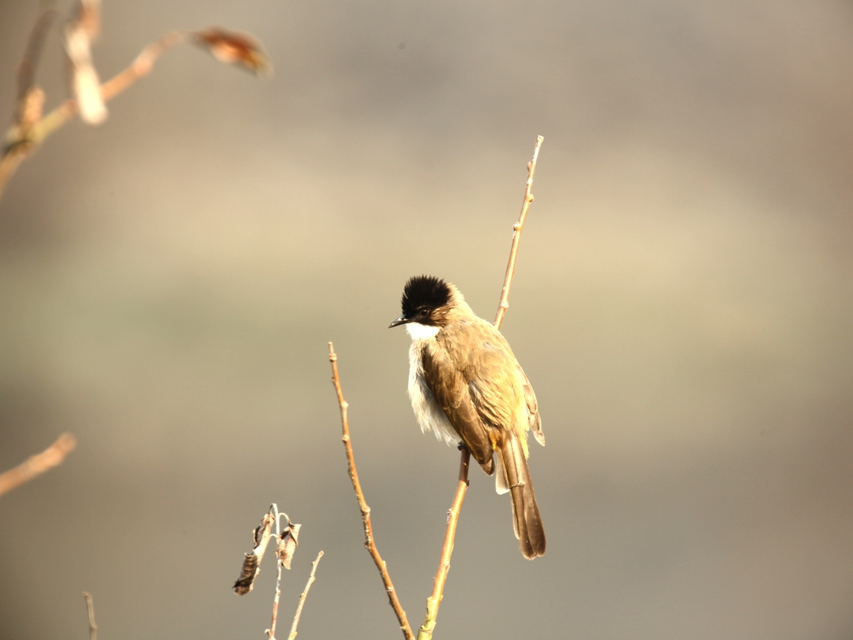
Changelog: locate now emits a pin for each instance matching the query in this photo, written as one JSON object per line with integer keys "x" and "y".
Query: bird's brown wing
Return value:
{"x": 450, "y": 390}
{"x": 490, "y": 369}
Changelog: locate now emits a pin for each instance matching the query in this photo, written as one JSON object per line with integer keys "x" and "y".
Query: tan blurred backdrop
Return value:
{"x": 683, "y": 307}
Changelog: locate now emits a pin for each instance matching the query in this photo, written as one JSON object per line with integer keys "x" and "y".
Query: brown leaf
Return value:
{"x": 287, "y": 544}
{"x": 236, "y": 48}
{"x": 250, "y": 569}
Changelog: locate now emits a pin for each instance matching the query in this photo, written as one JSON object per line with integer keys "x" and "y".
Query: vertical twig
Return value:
{"x": 302, "y": 597}
{"x": 365, "y": 510}
{"x": 516, "y": 236}
{"x": 38, "y": 464}
{"x": 90, "y": 608}
{"x": 271, "y": 630}
{"x": 433, "y": 602}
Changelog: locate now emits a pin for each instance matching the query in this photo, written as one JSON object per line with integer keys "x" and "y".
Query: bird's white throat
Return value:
{"x": 421, "y": 331}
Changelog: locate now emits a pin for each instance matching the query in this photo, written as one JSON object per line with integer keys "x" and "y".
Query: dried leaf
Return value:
{"x": 287, "y": 543}
{"x": 248, "y": 572}
{"x": 263, "y": 529}
{"x": 252, "y": 561}
{"x": 236, "y": 48}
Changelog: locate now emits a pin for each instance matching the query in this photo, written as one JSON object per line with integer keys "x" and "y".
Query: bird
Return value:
{"x": 466, "y": 385}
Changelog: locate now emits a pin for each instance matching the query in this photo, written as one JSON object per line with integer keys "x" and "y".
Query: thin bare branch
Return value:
{"x": 22, "y": 141}
{"x": 302, "y": 597}
{"x": 285, "y": 547}
{"x": 90, "y": 609}
{"x": 275, "y": 601}
{"x": 433, "y": 602}
{"x": 365, "y": 510}
{"x": 516, "y": 235}
{"x": 38, "y": 464}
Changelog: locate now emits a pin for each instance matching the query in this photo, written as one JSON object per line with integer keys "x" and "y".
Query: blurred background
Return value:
{"x": 683, "y": 307}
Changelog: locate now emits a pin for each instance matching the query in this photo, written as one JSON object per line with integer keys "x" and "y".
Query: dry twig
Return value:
{"x": 283, "y": 557}
{"x": 426, "y": 630}
{"x": 365, "y": 510}
{"x": 302, "y": 597}
{"x": 30, "y": 128}
{"x": 38, "y": 464}
{"x": 516, "y": 235}
{"x": 433, "y": 602}
{"x": 90, "y": 609}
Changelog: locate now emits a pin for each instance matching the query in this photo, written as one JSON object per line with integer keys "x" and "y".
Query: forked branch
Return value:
{"x": 30, "y": 127}
{"x": 426, "y": 630}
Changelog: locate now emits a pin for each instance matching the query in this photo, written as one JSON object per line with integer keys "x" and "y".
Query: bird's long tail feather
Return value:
{"x": 526, "y": 520}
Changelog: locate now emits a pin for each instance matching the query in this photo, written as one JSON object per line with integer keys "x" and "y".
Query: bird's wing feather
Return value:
{"x": 450, "y": 390}
{"x": 495, "y": 381}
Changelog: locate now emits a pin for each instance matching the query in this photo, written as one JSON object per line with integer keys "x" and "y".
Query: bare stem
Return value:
{"x": 90, "y": 608}
{"x": 271, "y": 630}
{"x": 302, "y": 597}
{"x": 365, "y": 510}
{"x": 433, "y": 602}
{"x": 38, "y": 464}
{"x": 516, "y": 236}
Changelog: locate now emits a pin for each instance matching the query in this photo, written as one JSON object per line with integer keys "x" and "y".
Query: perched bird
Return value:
{"x": 465, "y": 384}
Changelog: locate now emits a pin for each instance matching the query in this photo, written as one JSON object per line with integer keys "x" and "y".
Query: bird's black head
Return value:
{"x": 422, "y": 295}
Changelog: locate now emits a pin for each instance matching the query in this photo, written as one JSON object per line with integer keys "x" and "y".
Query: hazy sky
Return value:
{"x": 170, "y": 280}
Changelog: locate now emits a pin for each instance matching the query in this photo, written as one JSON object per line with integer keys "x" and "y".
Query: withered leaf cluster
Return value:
{"x": 286, "y": 543}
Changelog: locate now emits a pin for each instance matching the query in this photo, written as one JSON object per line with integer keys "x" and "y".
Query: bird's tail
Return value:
{"x": 525, "y": 512}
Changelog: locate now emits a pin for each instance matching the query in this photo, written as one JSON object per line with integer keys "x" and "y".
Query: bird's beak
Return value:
{"x": 398, "y": 322}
